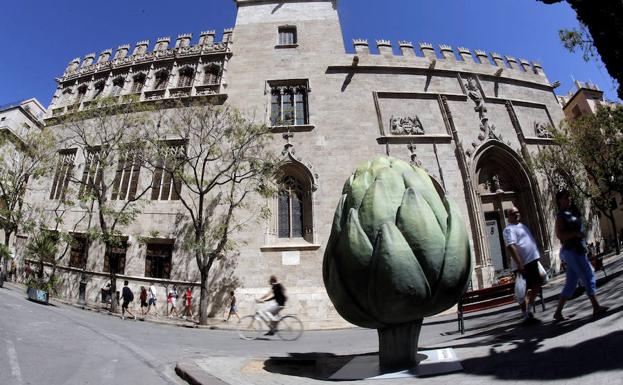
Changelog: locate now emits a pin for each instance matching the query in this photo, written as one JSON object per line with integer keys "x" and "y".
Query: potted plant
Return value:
{"x": 42, "y": 248}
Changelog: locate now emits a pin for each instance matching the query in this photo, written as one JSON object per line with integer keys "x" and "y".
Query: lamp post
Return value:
{"x": 83, "y": 276}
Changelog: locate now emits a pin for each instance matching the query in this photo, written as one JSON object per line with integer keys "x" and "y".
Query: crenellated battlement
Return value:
{"x": 141, "y": 54}
{"x": 449, "y": 57}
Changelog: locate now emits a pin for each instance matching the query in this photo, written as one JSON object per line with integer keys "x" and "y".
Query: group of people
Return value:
{"x": 525, "y": 256}
{"x": 148, "y": 298}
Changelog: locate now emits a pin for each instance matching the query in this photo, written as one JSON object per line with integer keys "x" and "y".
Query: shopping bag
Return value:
{"x": 520, "y": 288}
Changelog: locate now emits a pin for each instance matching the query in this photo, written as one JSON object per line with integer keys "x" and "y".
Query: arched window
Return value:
{"x": 162, "y": 78}
{"x": 186, "y": 77}
{"x": 291, "y": 214}
{"x": 82, "y": 91}
{"x": 117, "y": 86}
{"x": 138, "y": 82}
{"x": 98, "y": 89}
{"x": 292, "y": 205}
{"x": 212, "y": 74}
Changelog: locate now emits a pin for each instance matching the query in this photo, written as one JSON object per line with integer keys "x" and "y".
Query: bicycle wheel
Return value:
{"x": 250, "y": 327}
{"x": 289, "y": 328}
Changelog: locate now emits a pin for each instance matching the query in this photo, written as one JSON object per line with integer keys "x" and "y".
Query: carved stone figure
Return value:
{"x": 406, "y": 125}
{"x": 541, "y": 130}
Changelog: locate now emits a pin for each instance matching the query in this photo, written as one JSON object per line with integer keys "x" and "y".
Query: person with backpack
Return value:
{"x": 143, "y": 298}
{"x": 127, "y": 296}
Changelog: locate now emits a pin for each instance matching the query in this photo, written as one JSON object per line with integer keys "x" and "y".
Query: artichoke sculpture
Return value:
{"x": 398, "y": 252}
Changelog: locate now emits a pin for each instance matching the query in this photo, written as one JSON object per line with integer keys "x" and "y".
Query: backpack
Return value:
{"x": 129, "y": 295}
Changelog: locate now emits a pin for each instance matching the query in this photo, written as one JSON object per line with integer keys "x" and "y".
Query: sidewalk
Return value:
{"x": 495, "y": 349}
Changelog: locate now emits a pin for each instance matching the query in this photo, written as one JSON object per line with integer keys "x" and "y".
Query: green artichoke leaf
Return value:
{"x": 380, "y": 162}
{"x": 421, "y": 182}
{"x": 358, "y": 188}
{"x": 340, "y": 297}
{"x": 376, "y": 208}
{"x": 457, "y": 264}
{"x": 398, "y": 289}
{"x": 356, "y": 251}
{"x": 418, "y": 224}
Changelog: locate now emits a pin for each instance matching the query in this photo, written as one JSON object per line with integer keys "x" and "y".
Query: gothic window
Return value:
{"x": 294, "y": 219}
{"x": 158, "y": 260}
{"x": 117, "y": 86}
{"x": 92, "y": 174}
{"x": 64, "y": 171}
{"x": 118, "y": 259}
{"x": 289, "y": 106}
{"x": 138, "y": 82}
{"x": 162, "y": 78}
{"x": 77, "y": 251}
{"x": 82, "y": 91}
{"x": 165, "y": 185}
{"x": 287, "y": 35}
{"x": 67, "y": 96}
{"x": 212, "y": 74}
{"x": 186, "y": 77}
{"x": 126, "y": 177}
{"x": 98, "y": 89}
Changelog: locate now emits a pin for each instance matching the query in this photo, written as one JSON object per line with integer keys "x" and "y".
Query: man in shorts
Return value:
{"x": 127, "y": 296}
{"x": 524, "y": 253}
{"x": 152, "y": 299}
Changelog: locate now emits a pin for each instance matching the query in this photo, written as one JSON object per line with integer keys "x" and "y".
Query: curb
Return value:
{"x": 194, "y": 375}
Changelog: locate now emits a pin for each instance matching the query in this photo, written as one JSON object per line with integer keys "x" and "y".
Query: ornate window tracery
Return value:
{"x": 162, "y": 78}
{"x": 289, "y": 105}
{"x": 212, "y": 74}
{"x": 186, "y": 77}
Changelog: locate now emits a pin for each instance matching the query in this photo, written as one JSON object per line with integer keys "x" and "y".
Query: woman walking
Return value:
{"x": 143, "y": 298}
{"x": 570, "y": 232}
{"x": 172, "y": 300}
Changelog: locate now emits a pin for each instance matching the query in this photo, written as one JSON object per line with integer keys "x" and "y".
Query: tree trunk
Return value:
{"x": 398, "y": 346}
{"x": 7, "y": 239}
{"x": 203, "y": 299}
{"x": 112, "y": 268}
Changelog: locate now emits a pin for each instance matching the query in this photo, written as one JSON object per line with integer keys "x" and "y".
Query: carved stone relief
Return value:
{"x": 406, "y": 125}
{"x": 541, "y": 130}
{"x": 488, "y": 130}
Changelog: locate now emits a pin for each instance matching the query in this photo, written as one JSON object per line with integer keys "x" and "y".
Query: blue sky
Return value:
{"x": 40, "y": 37}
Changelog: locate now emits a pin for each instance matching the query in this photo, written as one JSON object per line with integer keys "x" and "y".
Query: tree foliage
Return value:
{"x": 222, "y": 160}
{"x": 111, "y": 141}
{"x": 604, "y": 32}
{"x": 22, "y": 160}
{"x": 588, "y": 159}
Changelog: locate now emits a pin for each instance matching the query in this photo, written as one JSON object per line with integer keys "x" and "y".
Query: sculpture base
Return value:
{"x": 430, "y": 363}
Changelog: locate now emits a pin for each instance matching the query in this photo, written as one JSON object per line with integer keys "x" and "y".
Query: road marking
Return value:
{"x": 15, "y": 370}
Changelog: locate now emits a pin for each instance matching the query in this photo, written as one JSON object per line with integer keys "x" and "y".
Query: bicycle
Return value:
{"x": 287, "y": 327}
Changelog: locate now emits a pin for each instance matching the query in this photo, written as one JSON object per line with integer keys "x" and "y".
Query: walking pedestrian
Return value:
{"x": 188, "y": 303}
{"x": 127, "y": 296}
{"x": 152, "y": 294}
{"x": 570, "y": 230}
{"x": 13, "y": 270}
{"x": 525, "y": 256}
{"x": 172, "y": 300}
{"x": 143, "y": 298}
{"x": 233, "y": 308}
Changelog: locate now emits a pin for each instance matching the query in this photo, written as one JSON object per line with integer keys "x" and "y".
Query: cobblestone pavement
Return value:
{"x": 496, "y": 348}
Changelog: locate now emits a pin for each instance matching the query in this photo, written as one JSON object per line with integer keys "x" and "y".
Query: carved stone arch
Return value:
{"x": 502, "y": 179}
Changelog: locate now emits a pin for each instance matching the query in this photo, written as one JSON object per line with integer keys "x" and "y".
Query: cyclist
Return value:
{"x": 270, "y": 313}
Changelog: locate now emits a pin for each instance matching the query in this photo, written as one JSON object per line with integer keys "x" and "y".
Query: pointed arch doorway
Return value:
{"x": 503, "y": 181}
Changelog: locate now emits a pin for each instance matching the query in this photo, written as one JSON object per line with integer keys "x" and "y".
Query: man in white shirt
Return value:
{"x": 524, "y": 253}
{"x": 152, "y": 299}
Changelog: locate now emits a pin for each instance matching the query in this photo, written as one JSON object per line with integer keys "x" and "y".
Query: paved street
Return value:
{"x": 62, "y": 344}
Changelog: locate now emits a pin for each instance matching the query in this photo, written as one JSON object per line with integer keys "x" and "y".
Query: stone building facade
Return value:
{"x": 470, "y": 118}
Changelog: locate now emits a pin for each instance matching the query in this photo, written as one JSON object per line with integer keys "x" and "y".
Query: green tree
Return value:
{"x": 22, "y": 160}
{"x": 603, "y": 32}
{"x": 225, "y": 161}
{"x": 111, "y": 141}
{"x": 588, "y": 160}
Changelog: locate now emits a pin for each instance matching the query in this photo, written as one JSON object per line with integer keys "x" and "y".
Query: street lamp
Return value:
{"x": 83, "y": 276}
